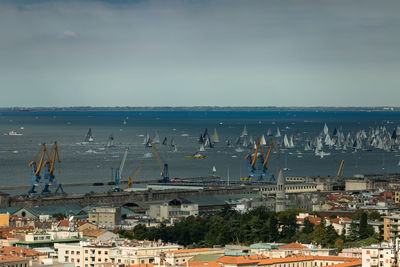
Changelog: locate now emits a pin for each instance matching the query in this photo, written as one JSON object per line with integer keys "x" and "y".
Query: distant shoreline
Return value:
{"x": 197, "y": 108}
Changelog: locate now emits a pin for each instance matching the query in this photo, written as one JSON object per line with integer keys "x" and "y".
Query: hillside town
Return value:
{"x": 357, "y": 227}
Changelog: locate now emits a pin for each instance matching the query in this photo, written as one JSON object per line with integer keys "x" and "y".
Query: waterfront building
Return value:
{"x": 168, "y": 211}
{"x": 105, "y": 216}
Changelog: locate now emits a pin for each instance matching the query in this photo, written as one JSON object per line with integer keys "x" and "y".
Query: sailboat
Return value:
{"x": 164, "y": 142}
{"x": 110, "y": 142}
{"x": 89, "y": 136}
{"x": 263, "y": 141}
{"x": 146, "y": 138}
{"x": 202, "y": 149}
{"x": 244, "y": 132}
{"x": 278, "y": 133}
{"x": 286, "y": 141}
{"x": 215, "y": 137}
{"x": 214, "y": 170}
{"x": 156, "y": 139}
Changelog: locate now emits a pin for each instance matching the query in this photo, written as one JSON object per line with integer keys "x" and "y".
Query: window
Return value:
{"x": 99, "y": 252}
{"x": 78, "y": 253}
{"x": 106, "y": 252}
{"x": 86, "y": 251}
{"x": 119, "y": 260}
{"x": 67, "y": 252}
{"x": 72, "y": 252}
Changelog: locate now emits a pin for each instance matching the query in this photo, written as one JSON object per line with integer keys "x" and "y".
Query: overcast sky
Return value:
{"x": 191, "y": 53}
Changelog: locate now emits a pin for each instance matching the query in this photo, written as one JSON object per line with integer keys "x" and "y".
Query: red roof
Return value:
{"x": 20, "y": 251}
{"x": 202, "y": 264}
{"x": 294, "y": 245}
{"x": 314, "y": 220}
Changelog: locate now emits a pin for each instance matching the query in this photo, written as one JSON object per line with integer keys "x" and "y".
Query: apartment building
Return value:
{"x": 94, "y": 254}
{"x": 378, "y": 255}
{"x": 391, "y": 227}
{"x": 105, "y": 216}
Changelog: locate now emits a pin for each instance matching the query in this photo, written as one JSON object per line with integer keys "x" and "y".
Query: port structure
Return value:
{"x": 49, "y": 164}
{"x": 132, "y": 179}
{"x": 118, "y": 172}
{"x": 164, "y": 168}
{"x": 257, "y": 163}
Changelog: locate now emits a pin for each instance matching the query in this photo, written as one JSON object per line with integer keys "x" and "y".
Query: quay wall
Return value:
{"x": 121, "y": 198}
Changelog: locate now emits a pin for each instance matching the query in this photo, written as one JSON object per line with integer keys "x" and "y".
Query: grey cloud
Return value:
{"x": 199, "y": 52}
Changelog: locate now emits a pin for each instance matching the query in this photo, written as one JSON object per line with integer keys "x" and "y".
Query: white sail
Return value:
{"x": 278, "y": 133}
{"x": 326, "y": 130}
{"x": 146, "y": 138}
{"x": 156, "y": 139}
{"x": 291, "y": 143}
{"x": 244, "y": 133}
{"x": 214, "y": 169}
{"x": 286, "y": 142}
{"x": 202, "y": 149}
{"x": 263, "y": 141}
{"x": 215, "y": 137}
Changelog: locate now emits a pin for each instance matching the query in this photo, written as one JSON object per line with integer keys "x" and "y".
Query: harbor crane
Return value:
{"x": 164, "y": 169}
{"x": 118, "y": 172}
{"x": 36, "y": 168}
{"x": 131, "y": 179}
{"x": 259, "y": 169}
{"x": 49, "y": 176}
{"x": 340, "y": 170}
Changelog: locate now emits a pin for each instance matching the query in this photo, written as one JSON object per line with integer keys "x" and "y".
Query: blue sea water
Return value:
{"x": 84, "y": 163}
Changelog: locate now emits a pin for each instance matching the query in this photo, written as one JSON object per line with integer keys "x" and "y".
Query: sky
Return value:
{"x": 199, "y": 53}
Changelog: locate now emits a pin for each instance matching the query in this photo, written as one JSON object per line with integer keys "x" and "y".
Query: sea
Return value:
{"x": 95, "y": 162}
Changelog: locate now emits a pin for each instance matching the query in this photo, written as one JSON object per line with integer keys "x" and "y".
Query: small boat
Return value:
{"x": 89, "y": 136}
{"x": 110, "y": 142}
{"x": 198, "y": 155}
{"x": 14, "y": 133}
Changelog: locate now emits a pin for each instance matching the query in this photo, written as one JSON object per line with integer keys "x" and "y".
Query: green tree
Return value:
{"x": 320, "y": 234}
{"x": 364, "y": 229}
{"x": 353, "y": 232}
{"x": 308, "y": 226}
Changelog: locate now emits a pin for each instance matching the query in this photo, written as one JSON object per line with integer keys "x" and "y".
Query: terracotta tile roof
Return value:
{"x": 202, "y": 264}
{"x": 347, "y": 219}
{"x": 6, "y": 258}
{"x": 283, "y": 260}
{"x": 256, "y": 260}
{"x": 191, "y": 250}
{"x": 139, "y": 265}
{"x": 335, "y": 220}
{"x": 20, "y": 251}
{"x": 238, "y": 260}
{"x": 93, "y": 233}
{"x": 335, "y": 258}
{"x": 294, "y": 245}
{"x": 314, "y": 220}
{"x": 65, "y": 223}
